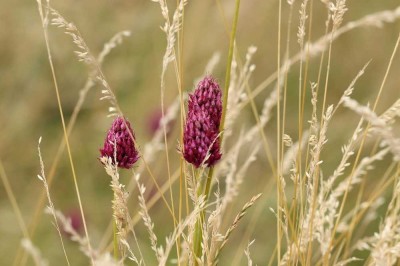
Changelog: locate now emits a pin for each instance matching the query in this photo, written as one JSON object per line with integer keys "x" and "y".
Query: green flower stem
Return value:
{"x": 116, "y": 253}
{"x": 228, "y": 68}
{"x": 208, "y": 183}
{"x": 198, "y": 236}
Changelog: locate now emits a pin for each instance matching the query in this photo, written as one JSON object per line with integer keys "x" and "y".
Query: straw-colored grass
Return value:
{"x": 309, "y": 134}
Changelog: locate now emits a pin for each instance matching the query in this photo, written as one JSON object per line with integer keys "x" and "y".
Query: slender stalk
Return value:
{"x": 61, "y": 147}
{"x": 226, "y": 93}
{"x": 44, "y": 19}
{"x": 326, "y": 258}
{"x": 13, "y": 201}
{"x": 198, "y": 237}
{"x": 228, "y": 68}
{"x": 279, "y": 137}
{"x": 116, "y": 255}
{"x": 179, "y": 77}
{"x": 198, "y": 234}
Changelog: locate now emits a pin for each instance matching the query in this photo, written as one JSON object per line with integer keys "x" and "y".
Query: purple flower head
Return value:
{"x": 200, "y": 137}
{"x": 207, "y": 98}
{"x": 120, "y": 133}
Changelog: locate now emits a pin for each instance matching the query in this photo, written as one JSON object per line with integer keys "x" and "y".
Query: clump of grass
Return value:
{"x": 320, "y": 212}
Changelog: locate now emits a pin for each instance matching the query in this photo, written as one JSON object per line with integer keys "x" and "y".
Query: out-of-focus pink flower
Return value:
{"x": 120, "y": 135}
{"x": 154, "y": 122}
{"x": 76, "y": 220}
{"x": 74, "y": 215}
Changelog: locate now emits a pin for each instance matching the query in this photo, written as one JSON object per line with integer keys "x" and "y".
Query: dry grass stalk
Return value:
{"x": 377, "y": 19}
{"x": 13, "y": 200}
{"x": 302, "y": 27}
{"x": 289, "y": 158}
{"x": 98, "y": 257}
{"x": 84, "y": 54}
{"x": 247, "y": 253}
{"x": 391, "y": 113}
{"x": 235, "y": 224}
{"x": 380, "y": 127}
{"x": 337, "y": 12}
{"x": 34, "y": 252}
{"x": 147, "y": 220}
{"x": 235, "y": 178}
{"x": 384, "y": 245}
{"x": 238, "y": 81}
{"x": 50, "y": 206}
{"x": 119, "y": 205}
{"x": 44, "y": 16}
{"x": 156, "y": 144}
{"x": 347, "y": 261}
{"x": 189, "y": 221}
{"x": 371, "y": 213}
{"x": 90, "y": 82}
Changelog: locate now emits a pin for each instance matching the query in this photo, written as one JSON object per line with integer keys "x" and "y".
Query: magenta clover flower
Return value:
{"x": 120, "y": 136}
{"x": 200, "y": 137}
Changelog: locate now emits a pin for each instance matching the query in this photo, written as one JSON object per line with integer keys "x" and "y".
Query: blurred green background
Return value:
{"x": 28, "y": 106}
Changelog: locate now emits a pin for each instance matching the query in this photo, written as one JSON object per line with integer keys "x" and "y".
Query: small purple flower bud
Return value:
{"x": 200, "y": 137}
{"x": 120, "y": 136}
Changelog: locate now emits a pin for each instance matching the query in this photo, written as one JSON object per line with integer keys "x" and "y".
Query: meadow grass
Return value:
{"x": 309, "y": 173}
